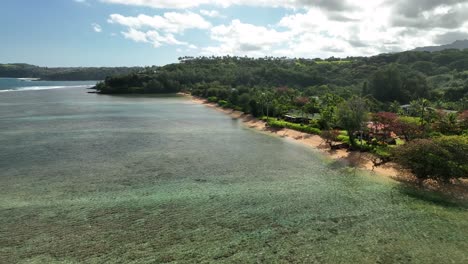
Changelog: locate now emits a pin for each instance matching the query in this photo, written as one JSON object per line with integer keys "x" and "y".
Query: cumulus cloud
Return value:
{"x": 435, "y": 14}
{"x": 415, "y": 8}
{"x": 152, "y": 37}
{"x": 96, "y": 27}
{"x": 170, "y": 4}
{"x": 366, "y": 28}
{"x": 159, "y": 30}
{"x": 364, "y": 31}
{"x": 241, "y": 38}
{"x": 337, "y": 5}
{"x": 135, "y": 35}
{"x": 169, "y": 22}
{"x": 210, "y": 13}
{"x": 450, "y": 37}
{"x": 311, "y": 28}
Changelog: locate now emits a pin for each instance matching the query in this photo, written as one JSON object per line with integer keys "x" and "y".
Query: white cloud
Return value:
{"x": 157, "y": 40}
{"x": 183, "y": 4}
{"x": 96, "y": 27}
{"x": 159, "y": 30}
{"x": 313, "y": 28}
{"x": 135, "y": 35}
{"x": 152, "y": 37}
{"x": 318, "y": 33}
{"x": 172, "y": 22}
{"x": 241, "y": 38}
{"x": 210, "y": 13}
{"x": 170, "y": 4}
{"x": 367, "y": 29}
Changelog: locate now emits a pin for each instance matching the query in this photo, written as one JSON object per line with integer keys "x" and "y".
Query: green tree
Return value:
{"x": 447, "y": 123}
{"x": 420, "y": 109}
{"x": 442, "y": 158}
{"x": 415, "y": 86}
{"x": 244, "y": 101}
{"x": 395, "y": 108}
{"x": 351, "y": 116}
{"x": 233, "y": 97}
{"x": 254, "y": 107}
{"x": 328, "y": 105}
{"x": 386, "y": 85}
{"x": 408, "y": 127}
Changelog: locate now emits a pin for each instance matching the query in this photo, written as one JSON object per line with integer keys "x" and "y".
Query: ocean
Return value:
{"x": 31, "y": 84}
{"x": 89, "y": 178}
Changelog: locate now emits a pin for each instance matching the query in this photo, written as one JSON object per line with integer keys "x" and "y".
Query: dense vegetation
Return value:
{"x": 21, "y": 70}
{"x": 439, "y": 158}
{"x": 276, "y": 123}
{"x": 416, "y": 97}
{"x": 439, "y": 76}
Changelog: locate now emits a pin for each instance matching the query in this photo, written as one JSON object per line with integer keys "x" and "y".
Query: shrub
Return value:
{"x": 330, "y": 135}
{"x": 223, "y": 103}
{"x": 343, "y": 138}
{"x": 213, "y": 99}
{"x": 314, "y": 123}
{"x": 363, "y": 146}
{"x": 383, "y": 152}
{"x": 408, "y": 127}
{"x": 442, "y": 158}
{"x": 463, "y": 118}
{"x": 299, "y": 127}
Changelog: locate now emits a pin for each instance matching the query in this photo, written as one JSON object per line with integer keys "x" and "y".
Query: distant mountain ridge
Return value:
{"x": 23, "y": 70}
{"x": 459, "y": 44}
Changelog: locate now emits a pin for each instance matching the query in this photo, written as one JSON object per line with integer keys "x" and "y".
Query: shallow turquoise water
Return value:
{"x": 96, "y": 178}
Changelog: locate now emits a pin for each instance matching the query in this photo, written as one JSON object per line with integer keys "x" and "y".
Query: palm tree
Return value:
{"x": 419, "y": 107}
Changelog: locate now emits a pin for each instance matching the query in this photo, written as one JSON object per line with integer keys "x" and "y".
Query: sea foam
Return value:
{"x": 38, "y": 88}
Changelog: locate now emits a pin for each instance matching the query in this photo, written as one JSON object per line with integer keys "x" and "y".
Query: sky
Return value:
{"x": 157, "y": 32}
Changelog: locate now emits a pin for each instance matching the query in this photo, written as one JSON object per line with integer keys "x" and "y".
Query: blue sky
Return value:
{"x": 157, "y": 32}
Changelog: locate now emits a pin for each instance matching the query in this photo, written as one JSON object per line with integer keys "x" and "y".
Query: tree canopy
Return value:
{"x": 21, "y": 70}
{"x": 400, "y": 77}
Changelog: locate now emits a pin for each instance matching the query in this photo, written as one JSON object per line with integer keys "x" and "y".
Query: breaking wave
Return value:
{"x": 38, "y": 88}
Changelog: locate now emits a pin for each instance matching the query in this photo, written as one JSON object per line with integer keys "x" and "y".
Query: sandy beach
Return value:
{"x": 354, "y": 159}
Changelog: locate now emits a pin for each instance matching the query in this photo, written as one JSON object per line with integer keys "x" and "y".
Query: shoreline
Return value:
{"x": 350, "y": 158}
{"x": 354, "y": 159}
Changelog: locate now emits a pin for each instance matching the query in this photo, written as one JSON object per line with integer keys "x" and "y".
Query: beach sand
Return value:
{"x": 355, "y": 159}
{"x": 351, "y": 158}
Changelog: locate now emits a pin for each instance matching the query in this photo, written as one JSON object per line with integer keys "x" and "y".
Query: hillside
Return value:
{"x": 22, "y": 70}
{"x": 459, "y": 44}
{"x": 401, "y": 77}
